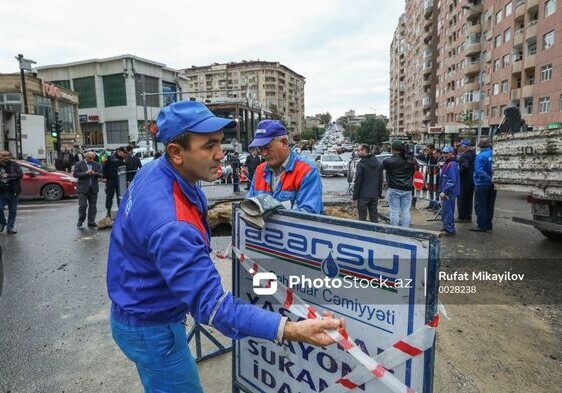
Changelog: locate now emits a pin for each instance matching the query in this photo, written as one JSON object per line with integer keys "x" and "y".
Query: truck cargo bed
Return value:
{"x": 529, "y": 162}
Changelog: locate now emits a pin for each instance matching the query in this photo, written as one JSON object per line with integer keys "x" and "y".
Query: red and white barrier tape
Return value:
{"x": 297, "y": 306}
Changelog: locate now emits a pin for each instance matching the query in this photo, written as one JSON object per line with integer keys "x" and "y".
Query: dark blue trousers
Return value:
{"x": 448, "y": 214}
{"x": 484, "y": 203}
{"x": 11, "y": 200}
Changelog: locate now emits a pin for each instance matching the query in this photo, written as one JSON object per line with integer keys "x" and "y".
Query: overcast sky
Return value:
{"x": 340, "y": 47}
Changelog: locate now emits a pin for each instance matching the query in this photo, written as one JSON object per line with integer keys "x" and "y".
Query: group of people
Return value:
{"x": 455, "y": 177}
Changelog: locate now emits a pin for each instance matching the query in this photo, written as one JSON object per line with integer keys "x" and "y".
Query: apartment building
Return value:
{"x": 265, "y": 85}
{"x": 490, "y": 54}
{"x": 397, "y": 79}
{"x": 111, "y": 107}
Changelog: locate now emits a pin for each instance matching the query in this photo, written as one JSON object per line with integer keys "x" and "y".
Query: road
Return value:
{"x": 54, "y": 325}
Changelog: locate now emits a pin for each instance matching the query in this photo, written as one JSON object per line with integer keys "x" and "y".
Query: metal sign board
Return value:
{"x": 388, "y": 290}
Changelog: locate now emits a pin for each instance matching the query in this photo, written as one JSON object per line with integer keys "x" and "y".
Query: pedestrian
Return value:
{"x": 110, "y": 171}
{"x": 466, "y": 171}
{"x": 159, "y": 266}
{"x": 399, "y": 177}
{"x": 10, "y": 188}
{"x": 87, "y": 172}
{"x": 432, "y": 176}
{"x": 449, "y": 187}
{"x": 66, "y": 160}
{"x": 236, "y": 167}
{"x": 367, "y": 188}
{"x": 289, "y": 178}
{"x": 133, "y": 164}
{"x": 484, "y": 190}
{"x": 78, "y": 156}
{"x": 252, "y": 162}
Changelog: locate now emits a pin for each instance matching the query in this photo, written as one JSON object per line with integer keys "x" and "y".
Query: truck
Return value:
{"x": 531, "y": 162}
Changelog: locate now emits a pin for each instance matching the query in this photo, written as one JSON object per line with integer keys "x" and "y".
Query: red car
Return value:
{"x": 42, "y": 182}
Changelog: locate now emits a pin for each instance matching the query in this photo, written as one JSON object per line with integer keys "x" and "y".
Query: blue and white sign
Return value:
{"x": 382, "y": 279}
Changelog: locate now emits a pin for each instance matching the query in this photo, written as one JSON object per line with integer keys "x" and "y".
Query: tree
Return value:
{"x": 275, "y": 114}
{"x": 372, "y": 131}
{"x": 325, "y": 118}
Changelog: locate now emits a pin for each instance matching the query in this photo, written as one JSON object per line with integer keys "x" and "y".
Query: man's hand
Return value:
{"x": 312, "y": 331}
{"x": 443, "y": 196}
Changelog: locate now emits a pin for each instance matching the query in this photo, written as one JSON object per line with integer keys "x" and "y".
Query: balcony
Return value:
{"x": 517, "y": 66}
{"x": 527, "y": 91}
{"x": 426, "y": 102}
{"x": 519, "y": 37}
{"x": 531, "y": 30}
{"x": 471, "y": 86}
{"x": 532, "y": 3}
{"x": 427, "y": 7}
{"x": 474, "y": 29}
{"x": 486, "y": 101}
{"x": 472, "y": 48}
{"x": 473, "y": 11}
{"x": 530, "y": 61}
{"x": 515, "y": 94}
{"x": 472, "y": 68}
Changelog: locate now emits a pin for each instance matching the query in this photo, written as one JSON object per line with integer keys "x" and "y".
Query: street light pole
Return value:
{"x": 25, "y": 65}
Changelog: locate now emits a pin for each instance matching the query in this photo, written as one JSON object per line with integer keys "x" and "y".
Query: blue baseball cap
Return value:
{"x": 447, "y": 149}
{"x": 466, "y": 142}
{"x": 192, "y": 116}
{"x": 267, "y": 130}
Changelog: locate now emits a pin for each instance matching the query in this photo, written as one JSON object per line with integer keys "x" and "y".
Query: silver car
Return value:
{"x": 331, "y": 164}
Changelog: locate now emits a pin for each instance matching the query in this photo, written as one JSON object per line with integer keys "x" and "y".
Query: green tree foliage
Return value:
{"x": 325, "y": 118}
{"x": 275, "y": 114}
{"x": 372, "y": 131}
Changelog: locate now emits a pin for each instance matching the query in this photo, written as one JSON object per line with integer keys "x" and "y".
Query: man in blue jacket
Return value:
{"x": 159, "y": 267}
{"x": 484, "y": 191}
{"x": 284, "y": 175}
{"x": 449, "y": 185}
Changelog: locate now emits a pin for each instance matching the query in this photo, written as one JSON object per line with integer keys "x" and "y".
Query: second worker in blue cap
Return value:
{"x": 284, "y": 175}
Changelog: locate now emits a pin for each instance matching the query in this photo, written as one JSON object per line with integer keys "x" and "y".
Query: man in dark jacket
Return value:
{"x": 133, "y": 164}
{"x": 367, "y": 188}
{"x": 87, "y": 172}
{"x": 110, "y": 169}
{"x": 252, "y": 162}
{"x": 10, "y": 188}
{"x": 466, "y": 171}
{"x": 399, "y": 176}
{"x": 236, "y": 167}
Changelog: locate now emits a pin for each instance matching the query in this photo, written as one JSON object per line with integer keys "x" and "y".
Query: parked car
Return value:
{"x": 331, "y": 164}
{"x": 46, "y": 183}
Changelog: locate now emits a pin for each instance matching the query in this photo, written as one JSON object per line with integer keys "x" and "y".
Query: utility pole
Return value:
{"x": 25, "y": 65}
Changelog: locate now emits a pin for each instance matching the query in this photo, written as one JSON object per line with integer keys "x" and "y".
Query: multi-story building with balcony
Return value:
{"x": 270, "y": 86}
{"x": 111, "y": 105}
{"x": 491, "y": 54}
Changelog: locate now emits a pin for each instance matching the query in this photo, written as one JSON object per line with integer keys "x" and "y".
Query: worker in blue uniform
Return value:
{"x": 159, "y": 264}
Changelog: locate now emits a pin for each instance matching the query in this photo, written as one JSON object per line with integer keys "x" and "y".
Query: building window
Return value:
{"x": 548, "y": 39}
{"x": 86, "y": 89}
{"x": 495, "y": 111}
{"x": 528, "y": 107}
{"x": 469, "y": 96}
{"x": 507, "y": 35}
{"x": 44, "y": 107}
{"x": 151, "y": 86}
{"x": 498, "y": 41}
{"x": 508, "y": 8}
{"x": 117, "y": 132}
{"x": 504, "y": 86}
{"x": 546, "y": 72}
{"x": 498, "y": 17}
{"x": 544, "y": 104}
{"x": 497, "y": 64}
{"x": 65, "y": 84}
{"x": 114, "y": 90}
{"x": 495, "y": 89}
{"x": 549, "y": 7}
{"x": 66, "y": 114}
{"x": 506, "y": 60}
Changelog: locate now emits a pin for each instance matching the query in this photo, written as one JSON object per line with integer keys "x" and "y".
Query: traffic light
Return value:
{"x": 56, "y": 129}
{"x": 54, "y": 132}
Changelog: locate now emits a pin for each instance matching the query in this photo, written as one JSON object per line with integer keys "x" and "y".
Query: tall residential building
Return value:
{"x": 263, "y": 84}
{"x": 111, "y": 107}
{"x": 491, "y": 54}
{"x": 397, "y": 79}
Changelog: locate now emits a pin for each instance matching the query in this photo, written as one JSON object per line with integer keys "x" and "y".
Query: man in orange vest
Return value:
{"x": 287, "y": 177}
